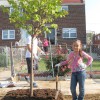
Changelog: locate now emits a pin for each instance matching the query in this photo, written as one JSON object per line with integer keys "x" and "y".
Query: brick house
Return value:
{"x": 70, "y": 28}
{"x": 73, "y": 26}
{"x": 96, "y": 43}
{"x": 96, "y": 39}
{"x": 7, "y": 30}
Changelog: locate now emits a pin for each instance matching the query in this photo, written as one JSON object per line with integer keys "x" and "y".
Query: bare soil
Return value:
{"x": 38, "y": 94}
{"x": 87, "y": 97}
{"x": 43, "y": 94}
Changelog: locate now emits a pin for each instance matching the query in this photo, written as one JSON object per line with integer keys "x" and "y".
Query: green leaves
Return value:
{"x": 38, "y": 13}
{"x": 57, "y": 59}
{"x": 54, "y": 25}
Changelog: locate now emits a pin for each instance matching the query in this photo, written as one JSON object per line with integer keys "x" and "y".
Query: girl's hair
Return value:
{"x": 80, "y": 51}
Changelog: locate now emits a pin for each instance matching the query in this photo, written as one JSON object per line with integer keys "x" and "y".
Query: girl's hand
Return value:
{"x": 57, "y": 65}
{"x": 43, "y": 53}
{"x": 82, "y": 65}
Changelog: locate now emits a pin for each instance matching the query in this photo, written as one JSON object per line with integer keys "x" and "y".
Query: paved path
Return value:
{"x": 92, "y": 86}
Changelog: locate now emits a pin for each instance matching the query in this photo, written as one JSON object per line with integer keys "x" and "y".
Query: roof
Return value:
{"x": 72, "y": 1}
{"x": 5, "y": 2}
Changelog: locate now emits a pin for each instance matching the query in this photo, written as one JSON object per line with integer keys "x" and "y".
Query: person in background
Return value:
{"x": 28, "y": 53}
{"x": 40, "y": 43}
{"x": 75, "y": 62}
{"x": 16, "y": 44}
{"x": 36, "y": 62}
{"x": 45, "y": 45}
{"x": 58, "y": 50}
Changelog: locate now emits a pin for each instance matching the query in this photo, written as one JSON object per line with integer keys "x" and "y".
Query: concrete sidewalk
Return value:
{"x": 92, "y": 86}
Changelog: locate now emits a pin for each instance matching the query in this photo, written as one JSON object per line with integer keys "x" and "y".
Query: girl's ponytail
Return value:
{"x": 80, "y": 53}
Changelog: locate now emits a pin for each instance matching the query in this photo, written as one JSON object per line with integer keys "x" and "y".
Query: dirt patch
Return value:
{"x": 43, "y": 94}
{"x": 87, "y": 97}
{"x": 38, "y": 94}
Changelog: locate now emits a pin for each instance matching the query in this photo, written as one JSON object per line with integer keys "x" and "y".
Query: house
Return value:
{"x": 96, "y": 43}
{"x": 8, "y": 32}
{"x": 96, "y": 39}
{"x": 70, "y": 28}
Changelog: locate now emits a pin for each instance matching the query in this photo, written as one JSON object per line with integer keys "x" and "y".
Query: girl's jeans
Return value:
{"x": 78, "y": 77}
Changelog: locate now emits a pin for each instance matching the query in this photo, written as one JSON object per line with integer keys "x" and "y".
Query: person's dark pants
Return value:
{"x": 28, "y": 60}
{"x": 46, "y": 49}
{"x": 78, "y": 77}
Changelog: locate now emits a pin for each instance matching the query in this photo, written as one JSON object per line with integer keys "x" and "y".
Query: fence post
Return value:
{"x": 51, "y": 56}
{"x": 12, "y": 63}
{"x": 6, "y": 56}
{"x": 91, "y": 64}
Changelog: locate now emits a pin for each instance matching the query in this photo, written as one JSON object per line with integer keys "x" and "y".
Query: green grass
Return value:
{"x": 95, "y": 66}
{"x": 42, "y": 65}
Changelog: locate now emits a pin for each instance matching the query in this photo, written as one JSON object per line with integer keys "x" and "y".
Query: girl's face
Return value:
{"x": 76, "y": 46}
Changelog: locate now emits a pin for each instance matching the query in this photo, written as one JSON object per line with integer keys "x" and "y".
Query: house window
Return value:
{"x": 69, "y": 33}
{"x": 65, "y": 8}
{"x": 11, "y": 10}
{"x": 8, "y": 34}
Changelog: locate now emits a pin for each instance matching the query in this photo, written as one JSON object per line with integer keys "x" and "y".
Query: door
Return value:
{"x": 51, "y": 35}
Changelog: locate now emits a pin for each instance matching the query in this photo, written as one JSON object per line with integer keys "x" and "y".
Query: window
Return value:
{"x": 11, "y": 10}
{"x": 65, "y": 8}
{"x": 8, "y": 34}
{"x": 69, "y": 33}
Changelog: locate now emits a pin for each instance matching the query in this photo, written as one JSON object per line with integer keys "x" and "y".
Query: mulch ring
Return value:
{"x": 43, "y": 94}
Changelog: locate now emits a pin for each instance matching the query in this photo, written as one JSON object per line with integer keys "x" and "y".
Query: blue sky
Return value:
{"x": 92, "y": 15}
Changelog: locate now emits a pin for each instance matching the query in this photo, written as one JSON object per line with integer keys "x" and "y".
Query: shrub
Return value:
{"x": 57, "y": 59}
{"x": 3, "y": 62}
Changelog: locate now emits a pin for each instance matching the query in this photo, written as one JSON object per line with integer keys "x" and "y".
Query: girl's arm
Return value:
{"x": 69, "y": 59}
{"x": 88, "y": 57}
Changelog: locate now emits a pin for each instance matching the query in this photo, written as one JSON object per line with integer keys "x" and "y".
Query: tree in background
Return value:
{"x": 89, "y": 37}
{"x": 33, "y": 15}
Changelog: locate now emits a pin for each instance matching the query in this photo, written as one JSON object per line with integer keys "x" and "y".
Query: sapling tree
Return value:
{"x": 33, "y": 15}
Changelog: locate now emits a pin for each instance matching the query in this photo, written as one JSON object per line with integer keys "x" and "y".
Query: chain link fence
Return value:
{"x": 4, "y": 56}
{"x": 14, "y": 58}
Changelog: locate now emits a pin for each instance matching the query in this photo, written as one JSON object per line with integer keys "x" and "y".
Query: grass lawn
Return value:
{"x": 42, "y": 66}
{"x": 95, "y": 65}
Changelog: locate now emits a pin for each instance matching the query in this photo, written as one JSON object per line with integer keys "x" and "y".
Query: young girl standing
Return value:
{"x": 75, "y": 62}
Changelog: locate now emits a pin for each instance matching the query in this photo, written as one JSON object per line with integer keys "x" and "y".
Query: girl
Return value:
{"x": 75, "y": 61}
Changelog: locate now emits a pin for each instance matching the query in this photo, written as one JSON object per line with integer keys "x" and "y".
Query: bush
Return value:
{"x": 3, "y": 59}
{"x": 57, "y": 59}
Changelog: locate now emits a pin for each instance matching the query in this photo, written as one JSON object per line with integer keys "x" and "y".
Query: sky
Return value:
{"x": 92, "y": 8}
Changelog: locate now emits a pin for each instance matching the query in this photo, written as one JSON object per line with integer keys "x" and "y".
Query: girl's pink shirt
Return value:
{"x": 75, "y": 60}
